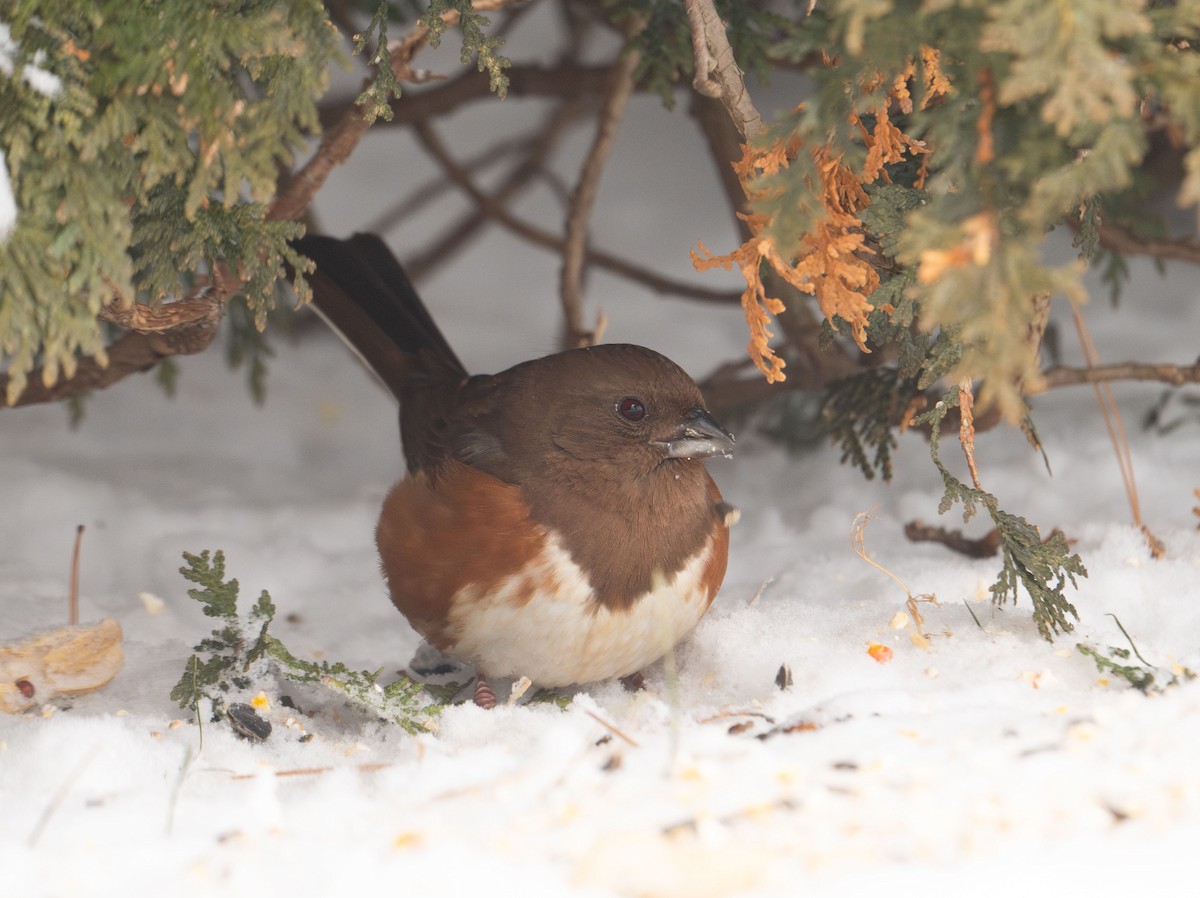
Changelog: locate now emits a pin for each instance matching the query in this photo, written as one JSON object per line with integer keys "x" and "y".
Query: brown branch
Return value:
{"x": 144, "y": 319}
{"x": 531, "y": 166}
{"x": 73, "y": 595}
{"x": 564, "y": 81}
{"x": 701, "y": 81}
{"x": 984, "y": 547}
{"x": 966, "y": 427}
{"x": 131, "y": 353}
{"x": 547, "y": 240}
{"x": 727, "y": 81}
{"x": 1175, "y": 375}
{"x": 1121, "y": 240}
{"x": 338, "y": 143}
{"x": 430, "y": 192}
{"x": 583, "y": 199}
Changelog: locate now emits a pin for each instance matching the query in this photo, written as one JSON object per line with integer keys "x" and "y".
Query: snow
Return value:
{"x": 8, "y": 203}
{"x": 993, "y": 760}
{"x": 44, "y": 82}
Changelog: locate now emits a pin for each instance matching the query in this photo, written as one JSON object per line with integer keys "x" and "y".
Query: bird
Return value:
{"x": 554, "y": 521}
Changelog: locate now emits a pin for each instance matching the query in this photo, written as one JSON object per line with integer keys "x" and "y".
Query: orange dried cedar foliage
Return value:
{"x": 830, "y": 260}
{"x": 981, "y": 235}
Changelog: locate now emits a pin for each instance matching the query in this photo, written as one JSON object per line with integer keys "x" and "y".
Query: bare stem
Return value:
{"x": 73, "y": 595}
{"x": 1175, "y": 375}
{"x": 1124, "y": 241}
{"x": 550, "y": 241}
{"x": 583, "y": 199}
{"x": 727, "y": 81}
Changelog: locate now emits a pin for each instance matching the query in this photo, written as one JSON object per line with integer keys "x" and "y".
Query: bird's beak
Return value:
{"x": 699, "y": 436}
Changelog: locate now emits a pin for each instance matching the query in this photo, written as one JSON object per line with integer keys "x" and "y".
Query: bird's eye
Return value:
{"x": 631, "y": 408}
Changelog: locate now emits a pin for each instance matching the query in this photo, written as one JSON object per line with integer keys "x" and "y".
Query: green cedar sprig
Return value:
{"x": 1143, "y": 677}
{"x": 1045, "y": 115}
{"x": 376, "y": 98}
{"x": 1042, "y": 568}
{"x": 476, "y": 42}
{"x": 224, "y": 661}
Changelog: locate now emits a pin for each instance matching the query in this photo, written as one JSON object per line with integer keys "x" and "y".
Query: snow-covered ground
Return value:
{"x": 992, "y": 761}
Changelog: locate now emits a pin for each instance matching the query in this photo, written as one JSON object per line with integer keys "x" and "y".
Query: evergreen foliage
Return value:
{"x": 1140, "y": 674}
{"x": 152, "y": 157}
{"x": 1009, "y": 118}
{"x": 376, "y": 98}
{"x": 476, "y": 42}
{"x": 239, "y": 652}
{"x": 1042, "y": 567}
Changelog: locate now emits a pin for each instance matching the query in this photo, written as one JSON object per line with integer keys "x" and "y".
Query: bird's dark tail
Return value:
{"x": 361, "y": 290}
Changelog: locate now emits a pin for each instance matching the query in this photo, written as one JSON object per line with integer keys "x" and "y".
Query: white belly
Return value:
{"x": 559, "y": 634}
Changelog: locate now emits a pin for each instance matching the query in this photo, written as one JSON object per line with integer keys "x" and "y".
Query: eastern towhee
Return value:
{"x": 556, "y": 520}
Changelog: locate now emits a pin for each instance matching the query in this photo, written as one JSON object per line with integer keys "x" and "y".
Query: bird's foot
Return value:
{"x": 635, "y": 682}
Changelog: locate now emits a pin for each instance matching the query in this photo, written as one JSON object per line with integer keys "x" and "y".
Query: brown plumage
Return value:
{"x": 556, "y": 520}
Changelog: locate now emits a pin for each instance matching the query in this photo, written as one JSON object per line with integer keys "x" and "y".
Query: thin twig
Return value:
{"x": 73, "y": 595}
{"x": 177, "y": 788}
{"x": 583, "y": 199}
{"x": 564, "y": 80}
{"x": 966, "y": 427}
{"x": 339, "y": 142}
{"x": 858, "y": 542}
{"x": 1121, "y": 240}
{"x": 60, "y": 795}
{"x": 1116, "y": 430}
{"x": 313, "y": 771}
{"x": 612, "y": 729}
{"x": 727, "y": 713}
{"x": 1175, "y": 375}
{"x": 539, "y": 237}
{"x": 762, "y": 587}
{"x": 431, "y": 191}
{"x": 534, "y": 152}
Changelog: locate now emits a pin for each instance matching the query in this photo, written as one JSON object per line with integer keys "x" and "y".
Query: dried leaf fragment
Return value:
{"x": 68, "y": 661}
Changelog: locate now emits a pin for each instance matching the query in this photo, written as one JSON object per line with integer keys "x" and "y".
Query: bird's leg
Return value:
{"x": 485, "y": 697}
